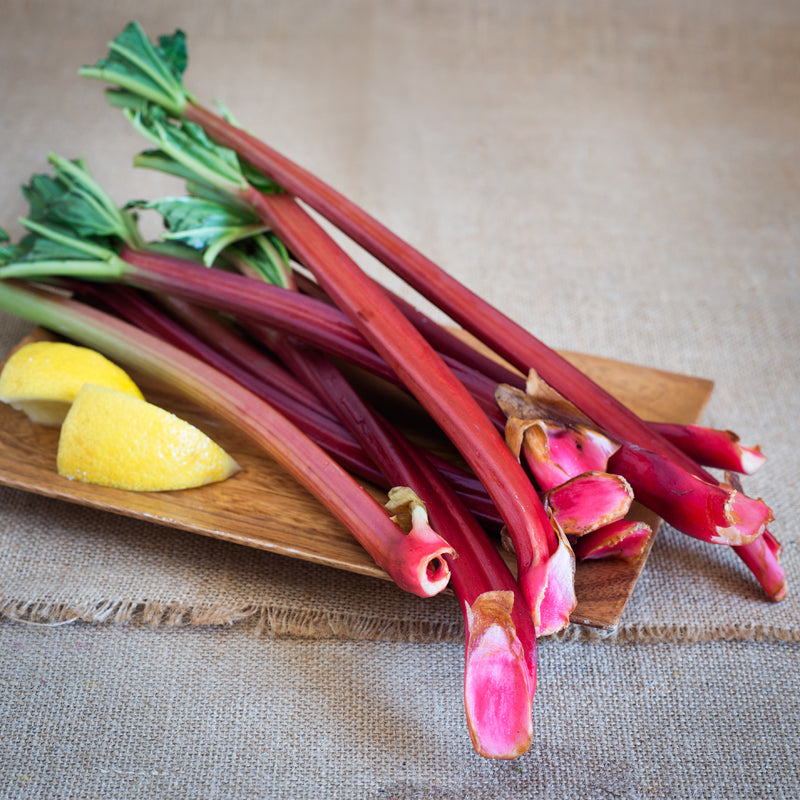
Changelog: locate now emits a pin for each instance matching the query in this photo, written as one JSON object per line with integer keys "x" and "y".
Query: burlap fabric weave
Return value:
{"x": 621, "y": 179}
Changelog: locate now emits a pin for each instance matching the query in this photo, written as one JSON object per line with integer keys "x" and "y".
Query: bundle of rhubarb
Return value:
{"x": 249, "y": 306}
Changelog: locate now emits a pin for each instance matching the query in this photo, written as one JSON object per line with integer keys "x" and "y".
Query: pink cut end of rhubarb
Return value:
{"x": 752, "y": 459}
{"x": 549, "y": 587}
{"x": 713, "y": 447}
{"x": 589, "y": 501}
{"x": 497, "y": 686}
{"x": 761, "y": 557}
{"x": 625, "y": 539}
{"x": 417, "y": 562}
{"x": 747, "y": 518}
{"x": 427, "y": 549}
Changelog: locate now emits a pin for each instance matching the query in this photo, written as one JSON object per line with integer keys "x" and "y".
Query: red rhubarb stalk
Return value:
{"x": 762, "y": 556}
{"x": 714, "y": 513}
{"x": 296, "y": 406}
{"x": 202, "y": 335}
{"x": 305, "y": 317}
{"x": 711, "y": 447}
{"x": 504, "y": 336}
{"x": 153, "y": 74}
{"x": 508, "y": 339}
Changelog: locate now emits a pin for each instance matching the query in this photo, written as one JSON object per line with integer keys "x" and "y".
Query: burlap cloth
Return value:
{"x": 622, "y": 178}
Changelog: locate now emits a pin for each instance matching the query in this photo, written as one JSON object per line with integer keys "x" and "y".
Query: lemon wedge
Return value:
{"x": 43, "y": 378}
{"x": 114, "y": 439}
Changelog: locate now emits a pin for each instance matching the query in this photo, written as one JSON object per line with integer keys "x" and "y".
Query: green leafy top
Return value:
{"x": 74, "y": 227}
{"x": 8, "y": 250}
{"x": 185, "y": 150}
{"x": 220, "y": 228}
{"x": 215, "y": 215}
{"x": 205, "y": 224}
{"x": 47, "y": 251}
{"x": 72, "y": 198}
{"x": 143, "y": 69}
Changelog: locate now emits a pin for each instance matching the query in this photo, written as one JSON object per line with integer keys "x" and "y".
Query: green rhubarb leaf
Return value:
{"x": 35, "y": 248}
{"x": 153, "y": 72}
{"x": 206, "y": 224}
{"x": 259, "y": 180}
{"x": 176, "y": 249}
{"x": 74, "y": 200}
{"x": 73, "y": 227}
{"x": 172, "y": 48}
{"x": 159, "y": 161}
{"x": 186, "y": 150}
{"x": 8, "y": 250}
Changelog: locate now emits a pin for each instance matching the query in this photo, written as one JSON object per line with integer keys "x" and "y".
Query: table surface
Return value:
{"x": 620, "y": 179}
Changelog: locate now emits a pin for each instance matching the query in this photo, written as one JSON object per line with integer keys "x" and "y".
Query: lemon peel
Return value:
{"x": 43, "y": 378}
{"x": 114, "y": 439}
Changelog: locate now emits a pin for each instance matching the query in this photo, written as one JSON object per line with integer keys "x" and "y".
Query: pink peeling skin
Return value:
{"x": 559, "y": 587}
{"x": 555, "y": 451}
{"x": 625, "y": 539}
{"x": 589, "y": 501}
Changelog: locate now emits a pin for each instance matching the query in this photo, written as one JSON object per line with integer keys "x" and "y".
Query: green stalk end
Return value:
{"x": 49, "y": 251}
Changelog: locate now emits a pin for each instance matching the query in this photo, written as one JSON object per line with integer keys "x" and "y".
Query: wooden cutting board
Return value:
{"x": 263, "y": 507}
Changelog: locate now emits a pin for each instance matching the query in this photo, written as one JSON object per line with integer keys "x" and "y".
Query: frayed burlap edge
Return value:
{"x": 266, "y": 620}
{"x": 680, "y": 634}
{"x": 47, "y": 612}
{"x": 263, "y": 620}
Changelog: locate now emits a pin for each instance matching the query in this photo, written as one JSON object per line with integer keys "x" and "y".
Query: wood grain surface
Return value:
{"x": 263, "y": 507}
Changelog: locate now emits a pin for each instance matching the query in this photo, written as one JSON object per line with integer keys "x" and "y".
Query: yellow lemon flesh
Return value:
{"x": 43, "y": 378}
{"x": 114, "y": 439}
